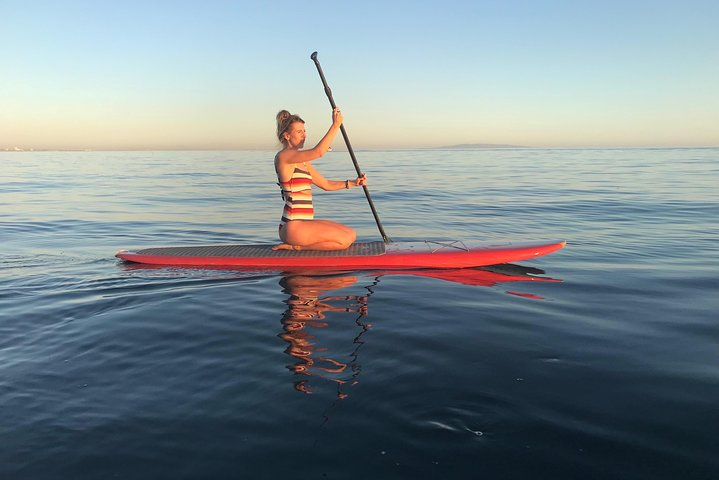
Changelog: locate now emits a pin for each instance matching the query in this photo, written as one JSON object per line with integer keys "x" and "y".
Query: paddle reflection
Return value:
{"x": 309, "y": 312}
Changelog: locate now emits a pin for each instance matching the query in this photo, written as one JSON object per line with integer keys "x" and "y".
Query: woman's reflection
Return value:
{"x": 311, "y": 313}
{"x": 307, "y": 312}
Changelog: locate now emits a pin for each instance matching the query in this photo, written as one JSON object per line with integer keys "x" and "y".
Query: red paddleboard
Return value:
{"x": 360, "y": 256}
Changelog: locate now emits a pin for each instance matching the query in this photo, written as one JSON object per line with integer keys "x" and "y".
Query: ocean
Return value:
{"x": 598, "y": 361}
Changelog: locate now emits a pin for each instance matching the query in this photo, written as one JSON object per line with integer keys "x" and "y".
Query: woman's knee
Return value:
{"x": 348, "y": 238}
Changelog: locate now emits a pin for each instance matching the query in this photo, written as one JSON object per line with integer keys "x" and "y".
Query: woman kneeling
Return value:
{"x": 298, "y": 228}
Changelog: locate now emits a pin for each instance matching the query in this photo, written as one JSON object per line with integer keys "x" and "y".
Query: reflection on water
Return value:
{"x": 311, "y": 309}
{"x": 482, "y": 276}
{"x": 306, "y": 313}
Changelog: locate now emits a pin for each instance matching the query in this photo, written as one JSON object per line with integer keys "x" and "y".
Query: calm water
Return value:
{"x": 598, "y": 361}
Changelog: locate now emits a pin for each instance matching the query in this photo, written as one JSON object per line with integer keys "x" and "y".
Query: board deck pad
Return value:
{"x": 260, "y": 251}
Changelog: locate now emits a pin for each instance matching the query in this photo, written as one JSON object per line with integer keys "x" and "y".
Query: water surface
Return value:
{"x": 598, "y": 361}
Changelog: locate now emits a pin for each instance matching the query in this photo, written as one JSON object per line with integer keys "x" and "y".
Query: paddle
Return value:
{"x": 349, "y": 147}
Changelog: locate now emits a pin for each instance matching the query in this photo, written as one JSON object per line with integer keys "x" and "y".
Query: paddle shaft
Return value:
{"x": 328, "y": 91}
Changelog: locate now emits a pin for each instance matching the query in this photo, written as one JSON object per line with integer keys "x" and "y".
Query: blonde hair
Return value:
{"x": 284, "y": 120}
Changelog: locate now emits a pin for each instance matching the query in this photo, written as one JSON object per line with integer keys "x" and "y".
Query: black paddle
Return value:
{"x": 349, "y": 147}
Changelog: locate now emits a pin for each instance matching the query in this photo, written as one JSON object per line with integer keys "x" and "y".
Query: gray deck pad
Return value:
{"x": 355, "y": 250}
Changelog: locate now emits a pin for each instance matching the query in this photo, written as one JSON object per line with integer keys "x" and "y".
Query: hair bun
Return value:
{"x": 283, "y": 115}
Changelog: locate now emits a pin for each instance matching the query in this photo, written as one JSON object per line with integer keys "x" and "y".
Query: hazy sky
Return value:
{"x": 156, "y": 74}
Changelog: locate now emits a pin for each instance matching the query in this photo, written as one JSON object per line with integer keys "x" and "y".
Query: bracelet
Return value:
{"x": 347, "y": 184}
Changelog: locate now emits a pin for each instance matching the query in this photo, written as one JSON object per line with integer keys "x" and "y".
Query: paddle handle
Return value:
{"x": 328, "y": 91}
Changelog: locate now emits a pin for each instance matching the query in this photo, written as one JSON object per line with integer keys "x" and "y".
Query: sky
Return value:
{"x": 212, "y": 74}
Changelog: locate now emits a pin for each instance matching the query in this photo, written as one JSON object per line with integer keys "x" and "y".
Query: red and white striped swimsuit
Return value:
{"x": 297, "y": 193}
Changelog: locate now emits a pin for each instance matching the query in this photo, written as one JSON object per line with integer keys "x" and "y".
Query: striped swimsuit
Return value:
{"x": 297, "y": 194}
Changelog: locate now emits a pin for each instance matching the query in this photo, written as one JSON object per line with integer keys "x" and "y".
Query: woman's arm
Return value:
{"x": 331, "y": 185}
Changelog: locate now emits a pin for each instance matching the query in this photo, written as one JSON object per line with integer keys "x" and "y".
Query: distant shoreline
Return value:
{"x": 472, "y": 146}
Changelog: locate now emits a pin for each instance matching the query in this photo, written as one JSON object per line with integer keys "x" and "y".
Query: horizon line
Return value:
{"x": 368, "y": 149}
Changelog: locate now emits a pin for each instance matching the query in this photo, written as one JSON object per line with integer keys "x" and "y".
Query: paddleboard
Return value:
{"x": 360, "y": 256}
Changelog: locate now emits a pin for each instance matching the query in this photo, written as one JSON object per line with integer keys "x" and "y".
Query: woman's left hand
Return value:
{"x": 359, "y": 181}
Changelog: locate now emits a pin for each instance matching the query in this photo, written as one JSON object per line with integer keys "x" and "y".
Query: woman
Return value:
{"x": 298, "y": 228}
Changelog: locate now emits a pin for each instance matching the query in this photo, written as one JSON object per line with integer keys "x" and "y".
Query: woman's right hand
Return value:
{"x": 337, "y": 117}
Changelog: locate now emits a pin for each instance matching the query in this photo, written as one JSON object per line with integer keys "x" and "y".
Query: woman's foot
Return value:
{"x": 286, "y": 246}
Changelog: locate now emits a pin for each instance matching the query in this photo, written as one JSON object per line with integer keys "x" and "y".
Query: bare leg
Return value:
{"x": 315, "y": 235}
